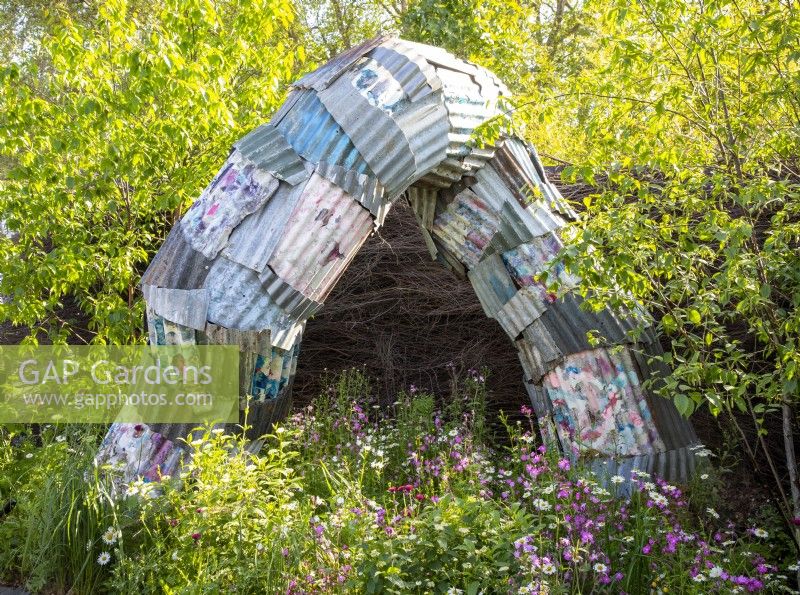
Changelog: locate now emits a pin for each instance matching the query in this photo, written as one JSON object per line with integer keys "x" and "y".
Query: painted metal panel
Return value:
{"x": 362, "y": 102}
{"x": 238, "y": 190}
{"x": 314, "y": 134}
{"x": 248, "y": 341}
{"x": 328, "y": 72}
{"x": 466, "y": 227}
{"x": 598, "y": 404}
{"x": 323, "y": 233}
{"x": 425, "y": 126}
{"x": 365, "y": 189}
{"x": 187, "y": 307}
{"x": 520, "y": 311}
{"x": 423, "y": 204}
{"x": 293, "y": 302}
{"x": 528, "y": 260}
{"x": 254, "y": 241}
{"x": 529, "y": 222}
{"x": 408, "y": 67}
{"x": 538, "y": 352}
{"x": 492, "y": 284}
{"x": 176, "y": 264}
{"x": 552, "y": 193}
{"x": 267, "y": 148}
{"x": 238, "y": 300}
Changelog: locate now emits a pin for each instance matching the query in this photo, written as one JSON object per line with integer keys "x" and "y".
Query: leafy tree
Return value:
{"x": 111, "y": 142}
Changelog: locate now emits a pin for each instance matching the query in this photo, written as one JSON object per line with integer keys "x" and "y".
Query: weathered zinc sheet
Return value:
{"x": 262, "y": 247}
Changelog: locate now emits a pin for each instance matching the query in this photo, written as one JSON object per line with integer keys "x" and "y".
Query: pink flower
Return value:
{"x": 196, "y": 536}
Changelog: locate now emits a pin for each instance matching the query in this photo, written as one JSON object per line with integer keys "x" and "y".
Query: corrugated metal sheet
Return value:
{"x": 311, "y": 130}
{"x": 238, "y": 300}
{"x": 365, "y": 102}
{"x": 492, "y": 284}
{"x": 674, "y": 465}
{"x": 423, "y": 204}
{"x": 267, "y": 148}
{"x": 520, "y": 311}
{"x": 165, "y": 332}
{"x": 528, "y": 260}
{"x": 366, "y": 190}
{"x": 533, "y": 221}
{"x": 254, "y": 241}
{"x": 176, "y": 264}
{"x": 426, "y": 127}
{"x": 293, "y": 302}
{"x": 538, "y": 353}
{"x": 248, "y": 341}
{"x": 466, "y": 228}
{"x": 675, "y": 430}
{"x": 443, "y": 58}
{"x": 552, "y": 194}
{"x": 376, "y": 135}
{"x": 598, "y": 404}
{"x": 188, "y": 307}
{"x": 568, "y": 324}
{"x": 408, "y": 67}
{"x": 328, "y": 72}
{"x": 240, "y": 189}
{"x": 322, "y": 235}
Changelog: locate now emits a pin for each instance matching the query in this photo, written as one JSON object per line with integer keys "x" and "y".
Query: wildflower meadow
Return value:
{"x": 352, "y": 496}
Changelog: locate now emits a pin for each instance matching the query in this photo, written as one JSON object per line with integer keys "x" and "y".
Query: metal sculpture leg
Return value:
{"x": 258, "y": 252}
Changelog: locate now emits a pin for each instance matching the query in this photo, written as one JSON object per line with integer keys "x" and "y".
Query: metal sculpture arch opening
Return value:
{"x": 258, "y": 252}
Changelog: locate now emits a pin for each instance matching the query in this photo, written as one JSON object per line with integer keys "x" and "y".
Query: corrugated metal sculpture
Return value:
{"x": 256, "y": 255}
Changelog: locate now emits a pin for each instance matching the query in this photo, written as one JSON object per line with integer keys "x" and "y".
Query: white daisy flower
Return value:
{"x": 760, "y": 533}
{"x": 110, "y": 536}
{"x": 103, "y": 558}
{"x": 542, "y": 505}
{"x": 61, "y": 438}
{"x": 548, "y": 568}
{"x": 617, "y": 479}
{"x": 715, "y": 572}
{"x": 600, "y": 568}
{"x": 699, "y": 578}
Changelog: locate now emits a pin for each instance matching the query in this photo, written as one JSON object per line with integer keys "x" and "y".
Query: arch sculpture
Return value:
{"x": 256, "y": 255}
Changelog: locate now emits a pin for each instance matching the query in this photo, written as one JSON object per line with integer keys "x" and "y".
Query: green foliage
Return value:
{"x": 115, "y": 136}
{"x": 348, "y": 497}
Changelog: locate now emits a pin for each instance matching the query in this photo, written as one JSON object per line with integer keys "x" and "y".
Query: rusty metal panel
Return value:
{"x": 323, "y": 233}
{"x": 409, "y": 68}
{"x": 238, "y": 300}
{"x": 176, "y": 264}
{"x": 240, "y": 189}
{"x": 293, "y": 302}
{"x": 598, "y": 404}
{"x": 313, "y": 133}
{"x": 267, "y": 148}
{"x": 253, "y": 242}
{"x": 492, "y": 284}
{"x": 187, "y": 307}
{"x": 466, "y": 227}
{"x": 520, "y": 311}
{"x": 328, "y": 72}
{"x": 538, "y": 352}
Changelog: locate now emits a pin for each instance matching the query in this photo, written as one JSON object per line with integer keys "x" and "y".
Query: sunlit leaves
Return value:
{"x": 122, "y": 129}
